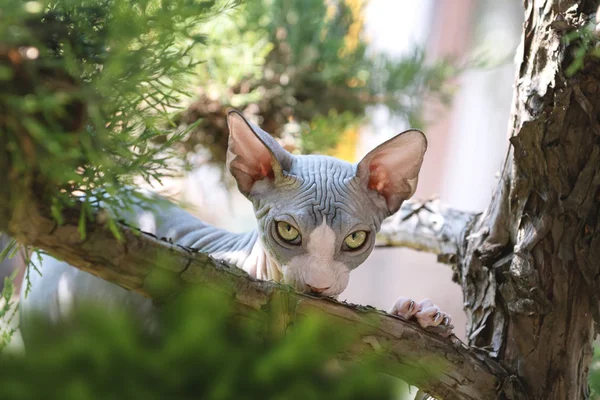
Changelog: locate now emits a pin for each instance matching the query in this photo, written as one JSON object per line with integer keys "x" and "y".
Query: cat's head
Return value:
{"x": 317, "y": 215}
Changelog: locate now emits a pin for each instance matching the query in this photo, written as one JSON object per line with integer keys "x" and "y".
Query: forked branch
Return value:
{"x": 426, "y": 226}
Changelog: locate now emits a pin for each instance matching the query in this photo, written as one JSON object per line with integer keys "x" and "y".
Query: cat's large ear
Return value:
{"x": 392, "y": 168}
{"x": 252, "y": 154}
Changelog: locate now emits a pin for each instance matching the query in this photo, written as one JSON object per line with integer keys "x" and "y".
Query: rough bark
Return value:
{"x": 158, "y": 269}
{"x": 529, "y": 264}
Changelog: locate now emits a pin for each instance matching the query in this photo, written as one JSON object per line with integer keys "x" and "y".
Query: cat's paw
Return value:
{"x": 427, "y": 315}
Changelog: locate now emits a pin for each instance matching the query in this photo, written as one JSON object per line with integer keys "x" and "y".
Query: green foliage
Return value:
{"x": 90, "y": 88}
{"x": 8, "y": 307}
{"x": 8, "y": 310}
{"x": 583, "y": 43}
{"x": 594, "y": 377}
{"x": 294, "y": 61}
{"x": 201, "y": 352}
{"x": 86, "y": 86}
{"x": 323, "y": 132}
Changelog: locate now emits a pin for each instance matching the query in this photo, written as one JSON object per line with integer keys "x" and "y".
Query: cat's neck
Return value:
{"x": 243, "y": 250}
{"x": 260, "y": 265}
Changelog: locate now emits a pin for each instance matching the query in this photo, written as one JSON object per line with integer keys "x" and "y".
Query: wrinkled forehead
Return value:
{"x": 327, "y": 191}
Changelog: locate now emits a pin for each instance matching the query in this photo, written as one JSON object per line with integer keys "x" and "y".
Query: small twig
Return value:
{"x": 425, "y": 226}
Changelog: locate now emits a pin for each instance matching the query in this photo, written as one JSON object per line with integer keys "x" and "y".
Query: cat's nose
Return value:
{"x": 316, "y": 290}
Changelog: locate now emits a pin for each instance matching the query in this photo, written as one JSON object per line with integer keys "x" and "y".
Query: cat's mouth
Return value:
{"x": 332, "y": 290}
{"x": 315, "y": 291}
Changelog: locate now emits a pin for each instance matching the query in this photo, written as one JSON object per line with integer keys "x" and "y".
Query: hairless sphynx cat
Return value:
{"x": 317, "y": 220}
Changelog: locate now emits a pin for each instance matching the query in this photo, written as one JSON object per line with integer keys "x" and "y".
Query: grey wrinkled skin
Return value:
{"x": 324, "y": 198}
{"x": 315, "y": 191}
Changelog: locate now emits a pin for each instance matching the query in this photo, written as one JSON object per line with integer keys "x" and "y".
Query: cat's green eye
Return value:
{"x": 355, "y": 239}
{"x": 287, "y": 232}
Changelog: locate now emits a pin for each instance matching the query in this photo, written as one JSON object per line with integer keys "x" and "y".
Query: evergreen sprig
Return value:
{"x": 200, "y": 352}
{"x": 86, "y": 87}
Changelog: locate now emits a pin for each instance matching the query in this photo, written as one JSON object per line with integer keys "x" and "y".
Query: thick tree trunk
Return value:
{"x": 529, "y": 265}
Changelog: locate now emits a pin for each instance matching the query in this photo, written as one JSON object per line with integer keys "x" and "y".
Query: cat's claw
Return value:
{"x": 427, "y": 315}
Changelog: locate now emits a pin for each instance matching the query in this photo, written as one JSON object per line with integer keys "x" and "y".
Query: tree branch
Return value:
{"x": 158, "y": 269}
{"x": 427, "y": 226}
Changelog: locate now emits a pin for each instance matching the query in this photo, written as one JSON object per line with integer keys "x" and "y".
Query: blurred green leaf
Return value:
{"x": 200, "y": 351}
